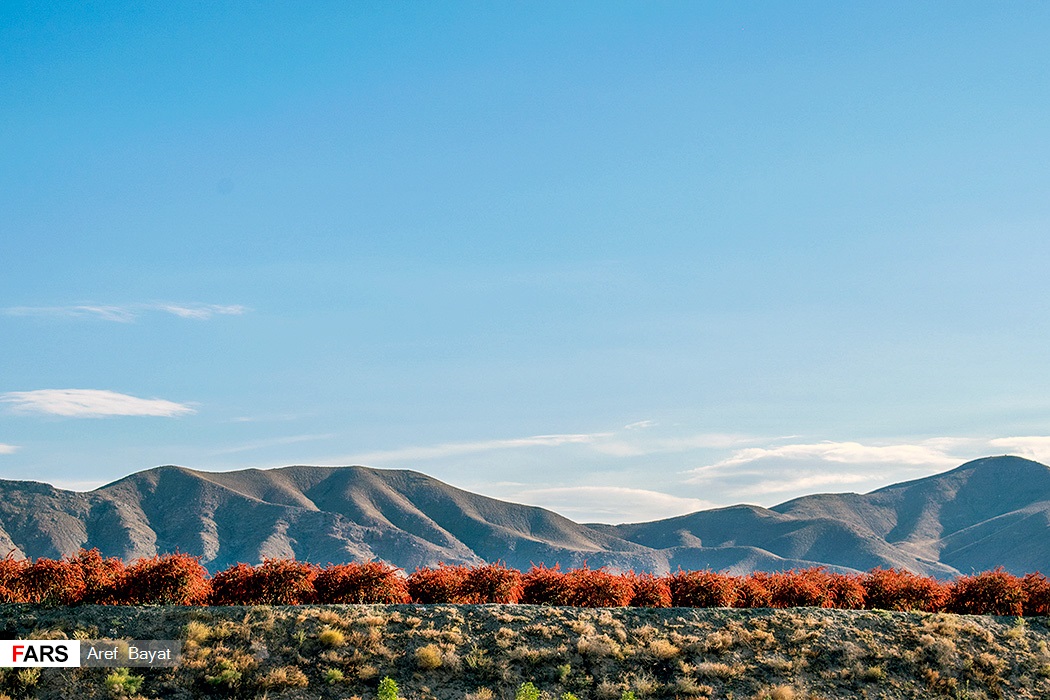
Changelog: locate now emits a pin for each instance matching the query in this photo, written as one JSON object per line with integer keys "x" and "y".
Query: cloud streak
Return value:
{"x": 8, "y": 449}
{"x": 610, "y": 504}
{"x": 921, "y": 454}
{"x": 128, "y": 313}
{"x": 453, "y": 449}
{"x": 90, "y": 403}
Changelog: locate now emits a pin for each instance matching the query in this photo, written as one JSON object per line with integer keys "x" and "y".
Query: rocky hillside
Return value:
{"x": 489, "y": 652}
{"x": 989, "y": 512}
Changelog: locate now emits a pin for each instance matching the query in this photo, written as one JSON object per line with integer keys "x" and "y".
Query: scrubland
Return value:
{"x": 285, "y": 629}
{"x": 493, "y": 651}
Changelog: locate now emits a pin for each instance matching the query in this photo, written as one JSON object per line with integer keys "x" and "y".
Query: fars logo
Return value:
{"x": 57, "y": 653}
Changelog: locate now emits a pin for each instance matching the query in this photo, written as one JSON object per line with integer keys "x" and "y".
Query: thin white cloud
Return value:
{"x": 273, "y": 442}
{"x": 7, "y": 449}
{"x": 90, "y": 403}
{"x": 610, "y": 504}
{"x": 453, "y": 449}
{"x": 921, "y": 454}
{"x": 811, "y": 483}
{"x": 127, "y": 313}
{"x": 1036, "y": 447}
{"x": 640, "y": 424}
{"x": 76, "y": 485}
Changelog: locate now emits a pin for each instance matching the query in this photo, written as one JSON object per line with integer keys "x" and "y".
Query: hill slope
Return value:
{"x": 989, "y": 512}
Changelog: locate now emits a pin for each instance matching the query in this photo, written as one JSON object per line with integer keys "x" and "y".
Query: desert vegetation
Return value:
{"x": 541, "y": 652}
{"x": 180, "y": 579}
{"x": 287, "y": 629}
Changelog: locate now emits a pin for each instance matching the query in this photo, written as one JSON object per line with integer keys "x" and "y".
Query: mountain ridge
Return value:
{"x": 985, "y": 513}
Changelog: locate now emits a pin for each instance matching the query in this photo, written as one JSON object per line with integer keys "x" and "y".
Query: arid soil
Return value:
{"x": 487, "y": 652}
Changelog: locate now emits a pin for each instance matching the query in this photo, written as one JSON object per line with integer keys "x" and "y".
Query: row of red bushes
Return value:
{"x": 180, "y": 579}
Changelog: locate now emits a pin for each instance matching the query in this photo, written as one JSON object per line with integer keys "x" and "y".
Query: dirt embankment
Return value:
{"x": 488, "y": 652}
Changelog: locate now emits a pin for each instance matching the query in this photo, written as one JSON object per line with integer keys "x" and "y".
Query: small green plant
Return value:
{"x": 627, "y": 695}
{"x": 568, "y": 696}
{"x": 527, "y": 691}
{"x": 563, "y": 673}
{"x": 299, "y": 637}
{"x": 333, "y": 676}
{"x": 121, "y": 683}
{"x": 388, "y": 689}
{"x": 228, "y": 674}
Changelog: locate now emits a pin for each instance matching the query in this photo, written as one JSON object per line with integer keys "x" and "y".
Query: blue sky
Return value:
{"x": 623, "y": 260}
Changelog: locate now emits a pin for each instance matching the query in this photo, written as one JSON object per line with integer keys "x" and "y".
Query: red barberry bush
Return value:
{"x": 844, "y": 592}
{"x": 370, "y": 582}
{"x": 1037, "y": 594}
{"x": 752, "y": 591}
{"x": 597, "y": 588}
{"x": 492, "y": 583}
{"x": 543, "y": 585}
{"x": 52, "y": 582}
{"x": 103, "y": 576}
{"x": 441, "y": 585}
{"x": 171, "y": 579}
{"x": 702, "y": 589}
{"x": 649, "y": 591}
{"x": 799, "y": 588}
{"x": 898, "y": 589}
{"x": 10, "y": 579}
{"x": 236, "y": 585}
{"x": 988, "y": 593}
{"x": 285, "y": 581}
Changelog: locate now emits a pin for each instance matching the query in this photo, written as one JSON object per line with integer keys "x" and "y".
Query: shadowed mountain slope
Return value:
{"x": 989, "y": 512}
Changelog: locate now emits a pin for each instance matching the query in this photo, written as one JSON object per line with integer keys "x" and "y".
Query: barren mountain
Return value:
{"x": 989, "y": 512}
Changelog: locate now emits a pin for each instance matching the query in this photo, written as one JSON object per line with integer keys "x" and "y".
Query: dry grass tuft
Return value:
{"x": 429, "y": 657}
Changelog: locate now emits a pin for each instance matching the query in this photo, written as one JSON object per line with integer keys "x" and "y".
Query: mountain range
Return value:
{"x": 986, "y": 513}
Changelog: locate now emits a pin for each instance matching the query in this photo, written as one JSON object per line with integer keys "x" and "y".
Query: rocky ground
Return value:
{"x": 487, "y": 652}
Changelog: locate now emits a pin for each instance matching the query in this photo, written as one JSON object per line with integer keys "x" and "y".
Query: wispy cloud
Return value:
{"x": 127, "y": 313}
{"x": 809, "y": 483}
{"x": 90, "y": 403}
{"x": 610, "y": 504}
{"x": 273, "y": 442}
{"x": 921, "y": 454}
{"x": 1035, "y": 447}
{"x": 452, "y": 449}
{"x": 8, "y": 449}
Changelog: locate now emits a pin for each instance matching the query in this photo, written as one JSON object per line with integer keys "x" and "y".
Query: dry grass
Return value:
{"x": 488, "y": 652}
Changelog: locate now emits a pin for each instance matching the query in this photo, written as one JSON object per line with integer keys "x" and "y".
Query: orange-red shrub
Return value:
{"x": 492, "y": 583}
{"x": 844, "y": 592}
{"x": 597, "y": 588}
{"x": 10, "y": 573}
{"x": 285, "y": 581}
{"x": 441, "y": 585}
{"x": 52, "y": 582}
{"x": 235, "y": 585}
{"x": 546, "y": 586}
{"x": 988, "y": 593}
{"x": 371, "y": 582}
{"x": 752, "y": 591}
{"x": 897, "y": 589}
{"x": 1037, "y": 594}
{"x": 103, "y": 577}
{"x": 171, "y": 579}
{"x": 702, "y": 589}
{"x": 649, "y": 591}
{"x": 798, "y": 588}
